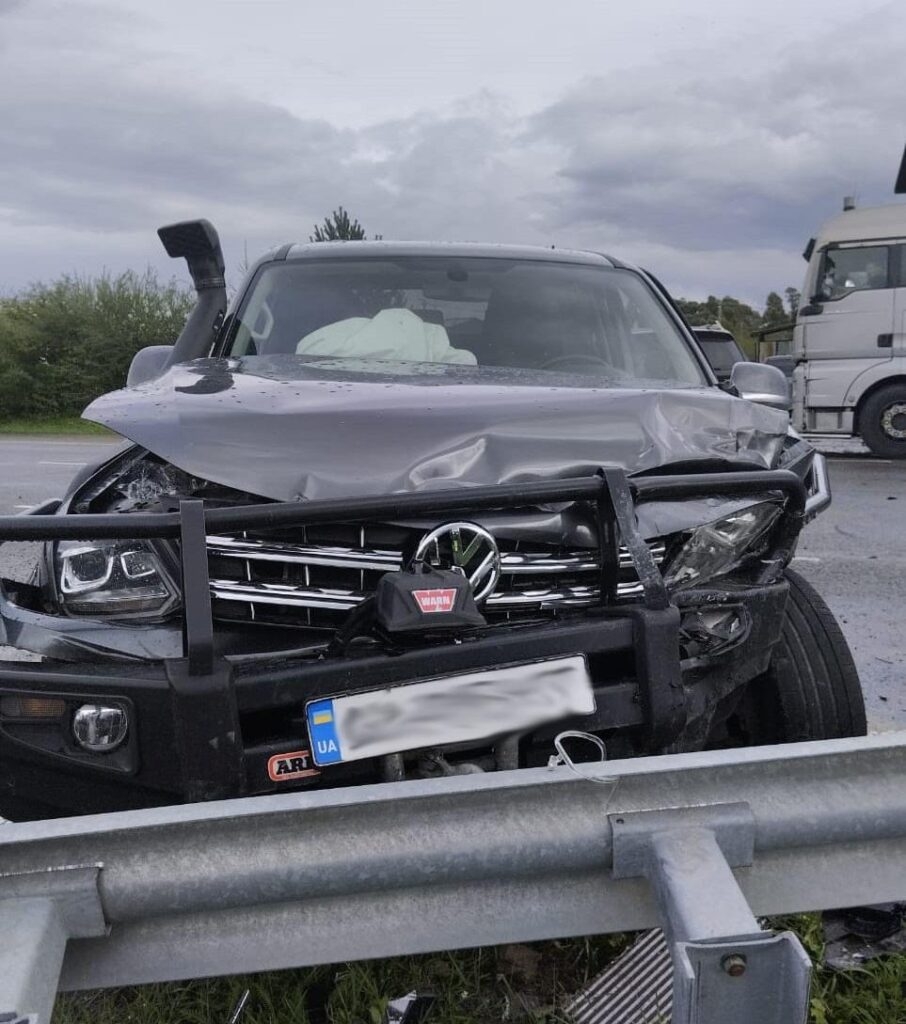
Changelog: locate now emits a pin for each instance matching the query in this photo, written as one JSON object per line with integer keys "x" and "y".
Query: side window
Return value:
{"x": 850, "y": 270}
{"x": 900, "y": 266}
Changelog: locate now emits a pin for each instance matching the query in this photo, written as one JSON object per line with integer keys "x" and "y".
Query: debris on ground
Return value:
{"x": 412, "y": 1008}
{"x": 859, "y": 934}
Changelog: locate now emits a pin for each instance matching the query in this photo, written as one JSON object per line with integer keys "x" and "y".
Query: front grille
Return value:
{"x": 314, "y": 576}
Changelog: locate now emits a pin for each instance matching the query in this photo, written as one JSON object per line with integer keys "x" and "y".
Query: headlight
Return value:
{"x": 719, "y": 547}
{"x": 113, "y": 578}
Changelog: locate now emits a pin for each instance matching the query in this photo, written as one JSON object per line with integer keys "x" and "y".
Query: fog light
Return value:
{"x": 99, "y": 727}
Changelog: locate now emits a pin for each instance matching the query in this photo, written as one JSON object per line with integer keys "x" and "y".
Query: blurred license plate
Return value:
{"x": 472, "y": 706}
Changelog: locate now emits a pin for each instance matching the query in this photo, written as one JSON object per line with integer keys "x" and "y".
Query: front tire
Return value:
{"x": 812, "y": 690}
{"x": 882, "y": 421}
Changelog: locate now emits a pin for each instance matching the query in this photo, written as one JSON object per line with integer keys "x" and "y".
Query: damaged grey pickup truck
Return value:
{"x": 408, "y": 509}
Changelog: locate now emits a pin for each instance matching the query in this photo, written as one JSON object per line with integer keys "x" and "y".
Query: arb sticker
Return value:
{"x": 435, "y": 600}
{"x": 294, "y": 765}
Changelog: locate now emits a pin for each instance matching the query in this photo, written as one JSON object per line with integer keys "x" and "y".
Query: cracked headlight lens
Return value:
{"x": 719, "y": 547}
{"x": 113, "y": 578}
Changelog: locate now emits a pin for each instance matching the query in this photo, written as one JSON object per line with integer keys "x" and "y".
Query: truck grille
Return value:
{"x": 314, "y": 576}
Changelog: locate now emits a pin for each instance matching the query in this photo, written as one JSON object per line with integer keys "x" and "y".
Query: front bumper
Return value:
{"x": 212, "y": 736}
{"x": 205, "y": 726}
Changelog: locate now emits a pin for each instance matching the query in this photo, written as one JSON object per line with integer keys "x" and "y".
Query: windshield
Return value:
{"x": 531, "y": 315}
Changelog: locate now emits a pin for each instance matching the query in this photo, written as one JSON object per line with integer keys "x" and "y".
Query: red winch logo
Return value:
{"x": 435, "y": 600}
{"x": 294, "y": 765}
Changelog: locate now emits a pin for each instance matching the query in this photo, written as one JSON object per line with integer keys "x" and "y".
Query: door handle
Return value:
{"x": 885, "y": 341}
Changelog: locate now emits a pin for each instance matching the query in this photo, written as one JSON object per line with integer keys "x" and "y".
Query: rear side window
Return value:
{"x": 862, "y": 268}
{"x": 721, "y": 353}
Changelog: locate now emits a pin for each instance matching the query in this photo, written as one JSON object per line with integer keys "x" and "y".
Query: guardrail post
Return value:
{"x": 39, "y": 913}
{"x": 725, "y": 967}
{"x": 31, "y": 955}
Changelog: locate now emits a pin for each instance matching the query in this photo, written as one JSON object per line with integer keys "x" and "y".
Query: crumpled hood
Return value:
{"x": 287, "y": 428}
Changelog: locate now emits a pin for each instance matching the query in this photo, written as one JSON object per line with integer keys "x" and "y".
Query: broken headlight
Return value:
{"x": 719, "y": 547}
{"x": 113, "y": 578}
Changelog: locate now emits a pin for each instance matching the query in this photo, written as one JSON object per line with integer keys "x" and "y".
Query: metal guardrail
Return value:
{"x": 695, "y": 843}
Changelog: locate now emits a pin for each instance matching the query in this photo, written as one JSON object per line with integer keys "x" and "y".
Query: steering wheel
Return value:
{"x": 577, "y": 359}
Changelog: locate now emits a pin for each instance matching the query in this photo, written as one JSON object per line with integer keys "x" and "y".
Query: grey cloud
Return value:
{"x": 716, "y": 157}
{"x": 82, "y": 157}
{"x": 104, "y": 146}
{"x": 712, "y": 177}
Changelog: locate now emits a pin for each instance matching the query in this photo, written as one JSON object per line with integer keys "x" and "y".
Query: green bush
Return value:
{"x": 65, "y": 343}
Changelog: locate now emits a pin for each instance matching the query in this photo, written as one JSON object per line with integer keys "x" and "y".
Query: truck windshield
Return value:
{"x": 530, "y": 315}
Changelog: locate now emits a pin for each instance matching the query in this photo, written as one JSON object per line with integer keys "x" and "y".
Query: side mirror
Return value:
{"x": 814, "y": 308}
{"x": 766, "y": 385}
{"x": 148, "y": 363}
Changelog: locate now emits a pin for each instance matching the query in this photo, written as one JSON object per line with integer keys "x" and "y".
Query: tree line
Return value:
{"x": 62, "y": 344}
{"x": 740, "y": 319}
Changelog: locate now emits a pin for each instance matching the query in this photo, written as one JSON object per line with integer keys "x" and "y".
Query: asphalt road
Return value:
{"x": 32, "y": 469}
{"x": 855, "y": 553}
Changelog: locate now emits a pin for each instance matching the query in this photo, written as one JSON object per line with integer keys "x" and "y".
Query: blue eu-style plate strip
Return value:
{"x": 322, "y": 730}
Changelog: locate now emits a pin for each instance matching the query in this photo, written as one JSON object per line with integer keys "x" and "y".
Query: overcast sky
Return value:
{"x": 704, "y": 140}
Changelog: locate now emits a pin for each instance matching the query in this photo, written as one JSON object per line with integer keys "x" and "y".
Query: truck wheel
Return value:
{"x": 812, "y": 689}
{"x": 882, "y": 421}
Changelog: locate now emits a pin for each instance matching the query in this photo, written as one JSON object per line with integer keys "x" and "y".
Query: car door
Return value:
{"x": 852, "y": 326}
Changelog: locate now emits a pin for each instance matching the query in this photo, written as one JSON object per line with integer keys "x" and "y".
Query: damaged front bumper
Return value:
{"x": 207, "y": 723}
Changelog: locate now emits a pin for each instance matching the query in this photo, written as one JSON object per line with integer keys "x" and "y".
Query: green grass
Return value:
{"x": 54, "y": 425}
{"x": 483, "y": 986}
{"x": 523, "y": 983}
{"x": 872, "y": 994}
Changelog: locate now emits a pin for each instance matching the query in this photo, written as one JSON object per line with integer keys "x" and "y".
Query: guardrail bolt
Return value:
{"x": 734, "y": 964}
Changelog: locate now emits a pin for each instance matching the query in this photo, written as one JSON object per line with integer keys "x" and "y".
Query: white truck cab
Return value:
{"x": 849, "y": 341}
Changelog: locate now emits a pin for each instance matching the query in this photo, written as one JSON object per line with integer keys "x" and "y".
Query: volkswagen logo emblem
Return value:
{"x": 467, "y": 549}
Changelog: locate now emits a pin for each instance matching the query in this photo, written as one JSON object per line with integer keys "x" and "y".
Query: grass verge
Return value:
{"x": 54, "y": 425}
{"x": 523, "y": 983}
{"x": 472, "y": 987}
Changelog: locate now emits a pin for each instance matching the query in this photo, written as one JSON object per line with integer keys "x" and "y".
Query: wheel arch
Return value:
{"x": 872, "y": 389}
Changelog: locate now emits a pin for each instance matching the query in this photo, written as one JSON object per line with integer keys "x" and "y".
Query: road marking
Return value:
{"x": 870, "y": 462}
{"x": 23, "y": 506}
{"x": 805, "y": 558}
{"x": 33, "y": 442}
{"x": 62, "y": 463}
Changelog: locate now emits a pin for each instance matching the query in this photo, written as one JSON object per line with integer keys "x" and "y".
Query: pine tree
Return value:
{"x": 774, "y": 313}
{"x": 336, "y": 227}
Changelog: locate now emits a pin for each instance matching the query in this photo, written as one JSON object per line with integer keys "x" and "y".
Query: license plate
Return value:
{"x": 452, "y": 709}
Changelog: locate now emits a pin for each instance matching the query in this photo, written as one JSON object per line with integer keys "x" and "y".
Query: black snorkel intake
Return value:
{"x": 196, "y": 242}
{"x": 899, "y": 186}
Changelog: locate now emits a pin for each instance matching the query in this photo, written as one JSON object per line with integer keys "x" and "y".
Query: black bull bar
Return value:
{"x": 200, "y": 677}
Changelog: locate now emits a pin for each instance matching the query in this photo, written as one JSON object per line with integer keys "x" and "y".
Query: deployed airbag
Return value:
{"x": 397, "y": 334}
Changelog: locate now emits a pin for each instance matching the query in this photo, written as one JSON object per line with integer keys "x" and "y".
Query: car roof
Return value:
{"x": 462, "y": 250}
{"x": 713, "y": 333}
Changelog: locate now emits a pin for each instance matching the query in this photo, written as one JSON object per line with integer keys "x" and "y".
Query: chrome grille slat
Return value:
{"x": 512, "y": 562}
{"x": 302, "y": 554}
{"x": 346, "y": 600}
{"x": 579, "y": 597}
{"x": 286, "y": 594}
